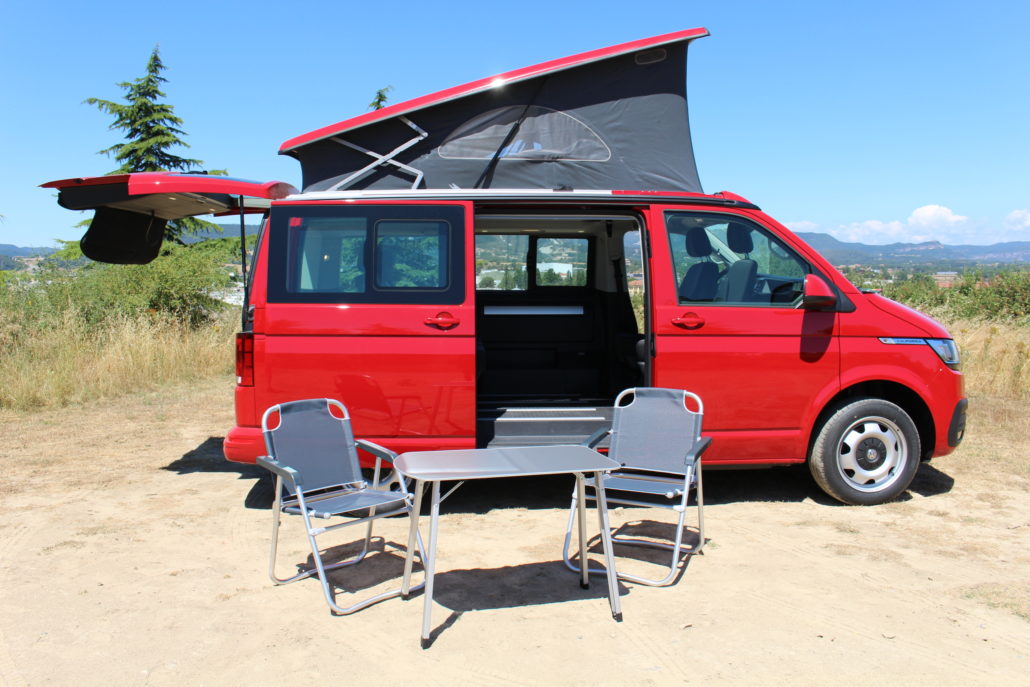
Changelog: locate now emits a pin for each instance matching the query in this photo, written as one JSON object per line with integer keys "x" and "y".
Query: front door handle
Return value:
{"x": 689, "y": 320}
{"x": 443, "y": 320}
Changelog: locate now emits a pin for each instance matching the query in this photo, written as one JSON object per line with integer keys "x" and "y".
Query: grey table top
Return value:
{"x": 484, "y": 463}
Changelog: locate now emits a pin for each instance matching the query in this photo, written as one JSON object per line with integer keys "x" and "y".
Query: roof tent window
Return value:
{"x": 544, "y": 134}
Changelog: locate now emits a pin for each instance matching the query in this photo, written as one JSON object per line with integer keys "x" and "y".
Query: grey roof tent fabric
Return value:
{"x": 619, "y": 122}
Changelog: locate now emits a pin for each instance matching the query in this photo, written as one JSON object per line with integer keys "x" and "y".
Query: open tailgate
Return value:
{"x": 133, "y": 209}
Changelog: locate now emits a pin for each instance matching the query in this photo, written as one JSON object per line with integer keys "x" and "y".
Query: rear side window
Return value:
{"x": 517, "y": 262}
{"x": 366, "y": 254}
{"x": 561, "y": 262}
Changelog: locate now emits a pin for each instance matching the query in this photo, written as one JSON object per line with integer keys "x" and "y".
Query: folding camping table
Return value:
{"x": 469, "y": 464}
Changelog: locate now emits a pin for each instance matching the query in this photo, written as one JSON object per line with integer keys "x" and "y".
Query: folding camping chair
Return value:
{"x": 658, "y": 441}
{"x": 314, "y": 457}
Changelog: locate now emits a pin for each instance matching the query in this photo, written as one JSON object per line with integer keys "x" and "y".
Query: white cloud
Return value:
{"x": 803, "y": 225}
{"x": 1018, "y": 219}
{"x": 874, "y": 231}
{"x": 935, "y": 217}
{"x": 929, "y": 223}
{"x": 926, "y": 223}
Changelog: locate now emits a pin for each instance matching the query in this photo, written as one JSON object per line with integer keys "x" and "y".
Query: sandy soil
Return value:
{"x": 131, "y": 553}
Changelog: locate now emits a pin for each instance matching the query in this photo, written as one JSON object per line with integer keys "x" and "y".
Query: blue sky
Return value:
{"x": 876, "y": 121}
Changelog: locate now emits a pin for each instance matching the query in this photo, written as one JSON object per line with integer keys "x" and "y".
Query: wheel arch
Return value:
{"x": 898, "y": 394}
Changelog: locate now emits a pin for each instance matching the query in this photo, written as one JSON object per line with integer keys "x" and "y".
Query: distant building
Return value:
{"x": 945, "y": 280}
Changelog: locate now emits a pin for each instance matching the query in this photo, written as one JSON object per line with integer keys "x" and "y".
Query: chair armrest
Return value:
{"x": 377, "y": 450}
{"x": 381, "y": 453}
{"x": 596, "y": 438}
{"x": 700, "y": 447}
{"x": 286, "y": 473}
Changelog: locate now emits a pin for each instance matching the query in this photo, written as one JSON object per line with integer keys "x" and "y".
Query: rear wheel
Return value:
{"x": 867, "y": 452}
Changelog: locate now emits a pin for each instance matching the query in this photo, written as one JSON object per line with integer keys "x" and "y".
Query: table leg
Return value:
{"x": 606, "y": 542}
{"x": 412, "y": 534}
{"x": 581, "y": 512}
{"x": 429, "y": 562}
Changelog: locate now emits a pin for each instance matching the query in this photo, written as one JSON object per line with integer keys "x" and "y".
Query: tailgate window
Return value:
{"x": 367, "y": 254}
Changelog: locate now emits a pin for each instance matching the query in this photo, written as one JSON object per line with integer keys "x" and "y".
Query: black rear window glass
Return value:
{"x": 366, "y": 254}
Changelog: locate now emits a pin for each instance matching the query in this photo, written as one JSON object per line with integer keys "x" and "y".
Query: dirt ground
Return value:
{"x": 132, "y": 553}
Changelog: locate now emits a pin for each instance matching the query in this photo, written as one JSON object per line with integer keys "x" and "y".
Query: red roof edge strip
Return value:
{"x": 489, "y": 82}
{"x": 142, "y": 183}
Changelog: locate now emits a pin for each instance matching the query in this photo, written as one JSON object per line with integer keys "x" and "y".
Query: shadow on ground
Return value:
{"x": 792, "y": 484}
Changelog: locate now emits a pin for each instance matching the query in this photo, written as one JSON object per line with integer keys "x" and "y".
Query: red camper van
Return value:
{"x": 459, "y": 271}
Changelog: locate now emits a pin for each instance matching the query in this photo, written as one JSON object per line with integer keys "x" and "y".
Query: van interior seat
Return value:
{"x": 738, "y": 286}
{"x": 701, "y": 280}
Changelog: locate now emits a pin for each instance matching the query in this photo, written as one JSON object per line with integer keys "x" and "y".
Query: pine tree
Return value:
{"x": 379, "y": 101}
{"x": 151, "y": 129}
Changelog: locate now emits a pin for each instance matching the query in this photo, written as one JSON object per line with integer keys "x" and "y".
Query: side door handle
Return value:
{"x": 443, "y": 320}
{"x": 689, "y": 320}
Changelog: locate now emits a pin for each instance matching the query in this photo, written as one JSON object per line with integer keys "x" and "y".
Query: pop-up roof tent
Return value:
{"x": 608, "y": 119}
{"x": 614, "y": 118}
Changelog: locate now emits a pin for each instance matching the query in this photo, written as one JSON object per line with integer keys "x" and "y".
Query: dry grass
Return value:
{"x": 1014, "y": 598}
{"x": 995, "y": 357}
{"x": 996, "y": 441}
{"x": 72, "y": 363}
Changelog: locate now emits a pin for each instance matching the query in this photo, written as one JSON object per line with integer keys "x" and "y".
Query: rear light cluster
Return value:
{"x": 245, "y": 359}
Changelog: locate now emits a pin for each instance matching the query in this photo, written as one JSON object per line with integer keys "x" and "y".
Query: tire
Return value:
{"x": 866, "y": 453}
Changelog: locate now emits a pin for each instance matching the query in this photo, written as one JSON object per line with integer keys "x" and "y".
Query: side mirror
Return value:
{"x": 817, "y": 294}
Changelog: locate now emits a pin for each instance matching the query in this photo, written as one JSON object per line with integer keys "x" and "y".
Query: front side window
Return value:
{"x": 729, "y": 260}
{"x": 366, "y": 254}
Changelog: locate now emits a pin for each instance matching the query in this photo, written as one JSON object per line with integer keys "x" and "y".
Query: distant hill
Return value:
{"x": 914, "y": 254}
{"x": 19, "y": 252}
{"x": 229, "y": 231}
{"x": 930, "y": 253}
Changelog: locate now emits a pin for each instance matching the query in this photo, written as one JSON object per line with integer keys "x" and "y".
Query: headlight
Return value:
{"x": 947, "y": 350}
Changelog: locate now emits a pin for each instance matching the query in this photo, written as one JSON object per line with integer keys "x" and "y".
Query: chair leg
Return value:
{"x": 676, "y": 548}
{"x": 321, "y": 569}
{"x": 700, "y": 512}
{"x": 276, "y": 518}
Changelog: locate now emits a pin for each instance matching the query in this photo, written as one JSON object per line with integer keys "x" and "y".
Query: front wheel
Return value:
{"x": 867, "y": 452}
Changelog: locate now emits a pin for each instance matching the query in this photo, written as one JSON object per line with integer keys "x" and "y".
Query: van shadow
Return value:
{"x": 208, "y": 457}
{"x": 792, "y": 484}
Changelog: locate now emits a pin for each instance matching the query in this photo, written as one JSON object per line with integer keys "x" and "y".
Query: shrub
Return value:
{"x": 181, "y": 282}
{"x": 1005, "y": 297}
{"x": 73, "y": 334}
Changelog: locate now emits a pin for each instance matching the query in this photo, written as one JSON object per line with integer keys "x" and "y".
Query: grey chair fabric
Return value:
{"x": 657, "y": 440}
{"x": 314, "y": 456}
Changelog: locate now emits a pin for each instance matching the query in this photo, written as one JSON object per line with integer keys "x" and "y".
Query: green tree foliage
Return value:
{"x": 152, "y": 130}
{"x": 379, "y": 101}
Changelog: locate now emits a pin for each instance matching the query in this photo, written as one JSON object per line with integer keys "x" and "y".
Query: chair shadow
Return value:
{"x": 384, "y": 562}
{"x": 651, "y": 530}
